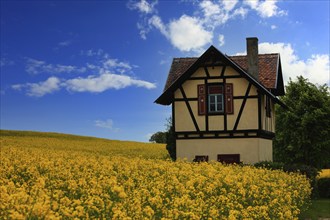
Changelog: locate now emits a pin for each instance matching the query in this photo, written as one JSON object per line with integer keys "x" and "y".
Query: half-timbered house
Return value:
{"x": 223, "y": 106}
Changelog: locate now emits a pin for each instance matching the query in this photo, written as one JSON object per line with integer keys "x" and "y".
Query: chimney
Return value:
{"x": 252, "y": 56}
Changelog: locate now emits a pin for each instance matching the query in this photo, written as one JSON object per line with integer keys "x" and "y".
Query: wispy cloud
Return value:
{"x": 103, "y": 82}
{"x": 265, "y": 9}
{"x": 39, "y": 89}
{"x": 221, "y": 39}
{"x": 142, "y": 6}
{"x": 108, "y": 124}
{"x": 92, "y": 53}
{"x": 273, "y": 27}
{"x": 6, "y": 62}
{"x": 107, "y": 73}
{"x": 34, "y": 66}
{"x": 64, "y": 43}
{"x": 193, "y": 32}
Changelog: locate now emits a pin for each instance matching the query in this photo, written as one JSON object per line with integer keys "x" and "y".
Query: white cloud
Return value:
{"x": 91, "y": 53}
{"x": 221, "y": 39}
{"x": 229, "y": 4}
{"x": 273, "y": 27}
{"x": 142, "y": 6}
{"x": 188, "y": 34}
{"x": 107, "y": 73}
{"x": 104, "y": 82}
{"x": 315, "y": 68}
{"x": 209, "y": 8}
{"x": 34, "y": 66}
{"x": 92, "y": 83}
{"x": 5, "y": 62}
{"x": 193, "y": 32}
{"x": 51, "y": 85}
{"x": 64, "y": 43}
{"x": 213, "y": 14}
{"x": 114, "y": 63}
{"x": 108, "y": 124}
{"x": 240, "y": 12}
{"x": 266, "y": 8}
{"x": 156, "y": 21}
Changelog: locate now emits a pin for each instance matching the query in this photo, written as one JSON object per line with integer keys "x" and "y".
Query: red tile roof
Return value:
{"x": 268, "y": 64}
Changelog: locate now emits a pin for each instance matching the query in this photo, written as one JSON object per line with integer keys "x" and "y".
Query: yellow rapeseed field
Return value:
{"x": 325, "y": 173}
{"x": 56, "y": 178}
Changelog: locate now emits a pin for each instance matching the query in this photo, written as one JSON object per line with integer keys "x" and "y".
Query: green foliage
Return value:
{"x": 158, "y": 137}
{"x": 310, "y": 172}
{"x": 319, "y": 209}
{"x": 170, "y": 139}
{"x": 303, "y": 130}
{"x": 323, "y": 186}
{"x": 270, "y": 165}
{"x": 171, "y": 144}
{"x": 167, "y": 137}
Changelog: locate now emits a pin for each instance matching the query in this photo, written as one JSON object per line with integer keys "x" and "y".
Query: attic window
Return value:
{"x": 215, "y": 99}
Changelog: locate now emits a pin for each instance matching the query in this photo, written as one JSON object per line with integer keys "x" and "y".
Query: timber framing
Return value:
{"x": 248, "y": 133}
{"x": 242, "y": 106}
{"x": 212, "y": 58}
{"x": 189, "y": 109}
{"x": 214, "y": 100}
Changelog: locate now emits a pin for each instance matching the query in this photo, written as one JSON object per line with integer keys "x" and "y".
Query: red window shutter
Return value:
{"x": 201, "y": 100}
{"x": 229, "y": 98}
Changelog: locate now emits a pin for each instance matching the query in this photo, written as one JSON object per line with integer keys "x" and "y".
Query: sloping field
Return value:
{"x": 54, "y": 176}
{"x": 74, "y": 143}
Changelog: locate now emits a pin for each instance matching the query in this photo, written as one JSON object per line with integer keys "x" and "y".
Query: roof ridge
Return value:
{"x": 261, "y": 54}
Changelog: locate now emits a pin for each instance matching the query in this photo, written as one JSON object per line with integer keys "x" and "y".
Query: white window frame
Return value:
{"x": 215, "y": 103}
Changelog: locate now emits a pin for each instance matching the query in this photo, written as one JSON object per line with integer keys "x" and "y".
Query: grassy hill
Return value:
{"x": 105, "y": 147}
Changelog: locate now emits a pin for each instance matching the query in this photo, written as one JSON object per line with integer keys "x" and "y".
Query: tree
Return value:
{"x": 170, "y": 139}
{"x": 303, "y": 130}
{"x": 158, "y": 137}
{"x": 167, "y": 137}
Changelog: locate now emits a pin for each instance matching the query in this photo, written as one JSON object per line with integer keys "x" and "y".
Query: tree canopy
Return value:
{"x": 158, "y": 137}
{"x": 303, "y": 130}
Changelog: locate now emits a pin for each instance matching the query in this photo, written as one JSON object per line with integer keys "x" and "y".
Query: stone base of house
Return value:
{"x": 246, "y": 150}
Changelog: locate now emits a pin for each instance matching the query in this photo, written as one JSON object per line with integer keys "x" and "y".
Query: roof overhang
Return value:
{"x": 212, "y": 56}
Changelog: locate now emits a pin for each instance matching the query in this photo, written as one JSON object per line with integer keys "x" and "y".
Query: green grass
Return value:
{"x": 319, "y": 208}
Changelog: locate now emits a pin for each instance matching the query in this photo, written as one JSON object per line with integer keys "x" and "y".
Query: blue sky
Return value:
{"x": 95, "y": 67}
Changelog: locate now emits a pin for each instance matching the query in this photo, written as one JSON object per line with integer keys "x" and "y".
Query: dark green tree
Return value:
{"x": 167, "y": 137}
{"x": 170, "y": 139}
{"x": 303, "y": 130}
{"x": 158, "y": 137}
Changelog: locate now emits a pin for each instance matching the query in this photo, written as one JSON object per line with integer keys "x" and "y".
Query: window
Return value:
{"x": 203, "y": 158}
{"x": 229, "y": 158}
{"x": 215, "y": 99}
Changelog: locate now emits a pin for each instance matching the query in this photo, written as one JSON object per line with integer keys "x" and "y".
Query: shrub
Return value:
{"x": 310, "y": 172}
{"x": 270, "y": 165}
{"x": 323, "y": 186}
